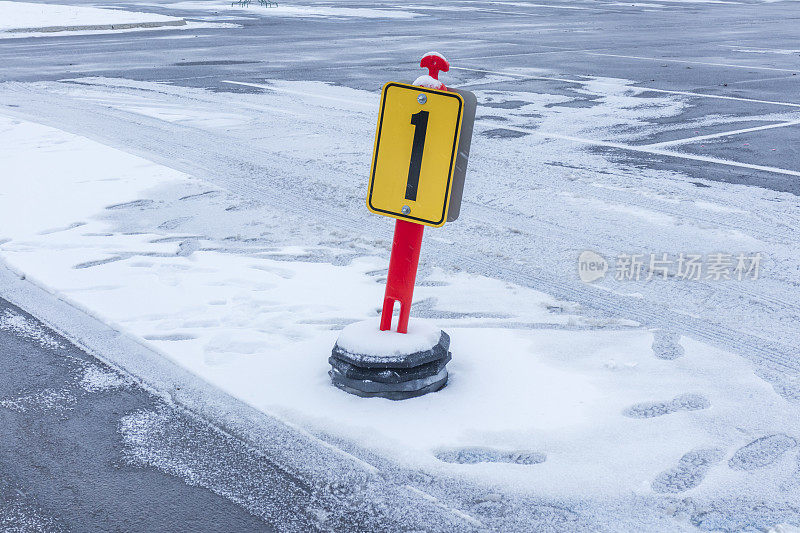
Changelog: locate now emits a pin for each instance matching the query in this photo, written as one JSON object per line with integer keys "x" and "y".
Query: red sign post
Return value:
{"x": 402, "y": 273}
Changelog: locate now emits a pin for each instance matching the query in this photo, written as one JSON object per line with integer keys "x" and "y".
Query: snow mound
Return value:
{"x": 97, "y": 379}
{"x": 21, "y": 16}
{"x": 437, "y": 54}
{"x": 365, "y": 338}
{"x": 429, "y": 82}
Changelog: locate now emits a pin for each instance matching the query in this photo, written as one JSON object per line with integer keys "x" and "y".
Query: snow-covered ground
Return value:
{"x": 25, "y": 18}
{"x": 544, "y": 399}
{"x": 222, "y": 224}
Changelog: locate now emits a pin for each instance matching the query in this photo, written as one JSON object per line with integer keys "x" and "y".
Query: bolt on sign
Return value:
{"x": 420, "y": 155}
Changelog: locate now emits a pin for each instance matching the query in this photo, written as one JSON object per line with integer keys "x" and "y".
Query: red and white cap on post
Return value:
{"x": 435, "y": 63}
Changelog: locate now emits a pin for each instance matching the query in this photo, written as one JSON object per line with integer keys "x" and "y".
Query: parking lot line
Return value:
{"x": 539, "y": 52}
{"x": 654, "y": 151}
{"x": 371, "y": 104}
{"x": 792, "y": 77}
{"x": 523, "y": 77}
{"x": 728, "y": 65}
{"x": 687, "y": 140}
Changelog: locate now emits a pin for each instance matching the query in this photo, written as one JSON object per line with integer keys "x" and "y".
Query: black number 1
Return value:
{"x": 420, "y": 123}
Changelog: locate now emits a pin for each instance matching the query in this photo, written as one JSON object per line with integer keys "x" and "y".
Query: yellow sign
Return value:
{"x": 416, "y": 147}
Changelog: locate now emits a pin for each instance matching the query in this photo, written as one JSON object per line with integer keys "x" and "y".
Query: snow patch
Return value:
{"x": 21, "y": 16}
{"x": 97, "y": 379}
{"x": 365, "y": 338}
{"x": 28, "y": 329}
{"x": 191, "y": 25}
{"x": 427, "y": 81}
{"x": 784, "y": 528}
{"x": 48, "y": 400}
{"x": 437, "y": 54}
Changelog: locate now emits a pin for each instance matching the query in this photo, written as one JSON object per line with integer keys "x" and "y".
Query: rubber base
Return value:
{"x": 388, "y": 375}
{"x": 399, "y": 395}
{"x": 393, "y": 376}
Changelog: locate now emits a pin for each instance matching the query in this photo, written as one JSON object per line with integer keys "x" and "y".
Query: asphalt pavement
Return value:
{"x": 65, "y": 464}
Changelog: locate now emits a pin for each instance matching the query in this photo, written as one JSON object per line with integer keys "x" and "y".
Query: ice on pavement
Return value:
{"x": 30, "y": 16}
{"x": 366, "y": 338}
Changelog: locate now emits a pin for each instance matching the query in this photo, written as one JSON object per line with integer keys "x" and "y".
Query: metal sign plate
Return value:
{"x": 416, "y": 155}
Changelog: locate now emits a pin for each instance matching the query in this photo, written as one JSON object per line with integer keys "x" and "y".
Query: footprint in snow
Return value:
{"x": 65, "y": 228}
{"x": 136, "y": 204}
{"x": 761, "y": 452}
{"x": 684, "y": 402}
{"x": 474, "y": 455}
{"x": 666, "y": 345}
{"x": 98, "y": 262}
{"x": 793, "y": 482}
{"x": 173, "y": 223}
{"x": 688, "y": 473}
{"x": 170, "y": 337}
{"x": 187, "y": 248}
{"x": 207, "y": 194}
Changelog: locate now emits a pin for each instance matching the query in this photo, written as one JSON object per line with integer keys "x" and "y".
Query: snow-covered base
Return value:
{"x": 29, "y": 17}
{"x": 366, "y": 338}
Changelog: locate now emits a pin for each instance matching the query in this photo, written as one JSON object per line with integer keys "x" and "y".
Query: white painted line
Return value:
{"x": 694, "y": 62}
{"x": 525, "y": 4}
{"x": 521, "y": 4}
{"x": 637, "y": 87}
{"x": 435, "y": 501}
{"x": 517, "y": 13}
{"x": 656, "y": 151}
{"x": 372, "y": 105}
{"x": 702, "y": 2}
{"x": 757, "y": 80}
{"x": 722, "y": 134}
{"x": 520, "y": 27}
{"x": 556, "y": 51}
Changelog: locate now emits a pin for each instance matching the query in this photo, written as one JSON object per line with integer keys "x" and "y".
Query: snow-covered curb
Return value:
{"x": 25, "y": 17}
{"x": 94, "y": 27}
